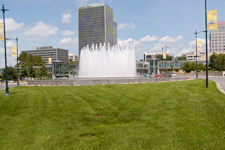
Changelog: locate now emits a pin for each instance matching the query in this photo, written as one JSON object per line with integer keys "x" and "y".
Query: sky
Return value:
{"x": 147, "y": 25}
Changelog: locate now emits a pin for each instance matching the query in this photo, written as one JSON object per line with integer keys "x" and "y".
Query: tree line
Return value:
{"x": 217, "y": 63}
{"x": 27, "y": 69}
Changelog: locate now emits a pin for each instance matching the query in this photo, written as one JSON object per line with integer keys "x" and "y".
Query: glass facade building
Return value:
{"x": 96, "y": 25}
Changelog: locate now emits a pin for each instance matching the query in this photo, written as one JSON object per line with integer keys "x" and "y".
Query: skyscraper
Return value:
{"x": 217, "y": 38}
{"x": 96, "y": 25}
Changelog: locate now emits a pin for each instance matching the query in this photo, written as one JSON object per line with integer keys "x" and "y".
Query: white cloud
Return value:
{"x": 11, "y": 25}
{"x": 68, "y": 41}
{"x": 42, "y": 30}
{"x": 66, "y": 17}
{"x": 127, "y": 26}
{"x": 81, "y": 2}
{"x": 170, "y": 40}
{"x": 184, "y": 51}
{"x": 193, "y": 43}
{"x": 129, "y": 42}
{"x": 67, "y": 33}
{"x": 148, "y": 38}
{"x": 157, "y": 48}
{"x": 11, "y": 61}
{"x": 9, "y": 45}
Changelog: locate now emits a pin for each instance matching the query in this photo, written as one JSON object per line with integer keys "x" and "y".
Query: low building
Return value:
{"x": 47, "y": 52}
{"x": 73, "y": 57}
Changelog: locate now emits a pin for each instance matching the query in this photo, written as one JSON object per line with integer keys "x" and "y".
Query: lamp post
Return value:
{"x": 52, "y": 68}
{"x": 166, "y": 54}
{"x": 4, "y": 35}
{"x": 196, "y": 33}
{"x": 17, "y": 70}
{"x": 206, "y": 44}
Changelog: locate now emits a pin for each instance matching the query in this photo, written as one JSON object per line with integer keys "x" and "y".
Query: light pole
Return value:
{"x": 196, "y": 33}
{"x": 166, "y": 54}
{"x": 52, "y": 68}
{"x": 6, "y": 78}
{"x": 206, "y": 45}
{"x": 17, "y": 70}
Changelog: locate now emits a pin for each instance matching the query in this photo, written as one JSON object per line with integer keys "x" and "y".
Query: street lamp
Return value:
{"x": 196, "y": 53}
{"x": 206, "y": 44}
{"x": 17, "y": 70}
{"x": 4, "y": 35}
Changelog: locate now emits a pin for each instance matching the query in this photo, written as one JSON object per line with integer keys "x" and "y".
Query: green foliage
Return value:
{"x": 159, "y": 116}
{"x": 43, "y": 71}
{"x": 168, "y": 57}
{"x": 191, "y": 66}
{"x": 11, "y": 73}
{"x": 217, "y": 62}
{"x": 187, "y": 66}
{"x": 31, "y": 72}
{"x": 181, "y": 58}
{"x": 73, "y": 62}
{"x": 27, "y": 62}
{"x": 201, "y": 67}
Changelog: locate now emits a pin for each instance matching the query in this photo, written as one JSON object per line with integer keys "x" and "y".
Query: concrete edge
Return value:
{"x": 220, "y": 88}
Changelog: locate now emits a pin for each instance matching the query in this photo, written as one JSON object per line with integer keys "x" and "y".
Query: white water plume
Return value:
{"x": 107, "y": 62}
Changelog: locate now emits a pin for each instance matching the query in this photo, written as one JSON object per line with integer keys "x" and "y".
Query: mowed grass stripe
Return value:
{"x": 170, "y": 115}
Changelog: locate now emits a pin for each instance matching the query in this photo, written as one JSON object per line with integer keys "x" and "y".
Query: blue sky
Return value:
{"x": 148, "y": 25}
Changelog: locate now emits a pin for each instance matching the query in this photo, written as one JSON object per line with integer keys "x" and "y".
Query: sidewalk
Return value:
{"x": 220, "y": 88}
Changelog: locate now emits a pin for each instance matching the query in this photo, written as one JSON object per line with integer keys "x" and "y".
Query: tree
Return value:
{"x": 31, "y": 71}
{"x": 27, "y": 63}
{"x": 181, "y": 58}
{"x": 11, "y": 73}
{"x": 217, "y": 62}
{"x": 168, "y": 57}
{"x": 191, "y": 66}
{"x": 43, "y": 71}
{"x": 213, "y": 61}
{"x": 201, "y": 67}
{"x": 188, "y": 66}
{"x": 73, "y": 62}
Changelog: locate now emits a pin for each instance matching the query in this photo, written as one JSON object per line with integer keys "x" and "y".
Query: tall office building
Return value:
{"x": 217, "y": 38}
{"x": 96, "y": 25}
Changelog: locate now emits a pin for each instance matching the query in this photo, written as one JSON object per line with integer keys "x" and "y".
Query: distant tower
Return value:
{"x": 96, "y": 25}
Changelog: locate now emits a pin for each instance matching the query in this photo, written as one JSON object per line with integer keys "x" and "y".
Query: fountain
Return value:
{"x": 105, "y": 61}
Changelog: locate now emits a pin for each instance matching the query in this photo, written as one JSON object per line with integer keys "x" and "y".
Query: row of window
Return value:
{"x": 218, "y": 37}
{"x": 218, "y": 49}
{"x": 217, "y": 46}
{"x": 218, "y": 34}
{"x": 218, "y": 40}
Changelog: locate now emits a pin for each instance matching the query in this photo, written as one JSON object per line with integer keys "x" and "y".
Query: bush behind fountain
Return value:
{"x": 106, "y": 61}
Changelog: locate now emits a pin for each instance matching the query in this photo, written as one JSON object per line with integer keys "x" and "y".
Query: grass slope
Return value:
{"x": 170, "y": 115}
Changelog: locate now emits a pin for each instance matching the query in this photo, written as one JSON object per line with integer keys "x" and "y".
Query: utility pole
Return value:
{"x": 4, "y": 35}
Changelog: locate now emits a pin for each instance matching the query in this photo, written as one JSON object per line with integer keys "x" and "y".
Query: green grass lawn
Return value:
{"x": 165, "y": 115}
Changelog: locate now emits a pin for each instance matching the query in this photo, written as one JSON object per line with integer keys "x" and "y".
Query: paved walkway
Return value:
{"x": 220, "y": 82}
{"x": 2, "y": 86}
